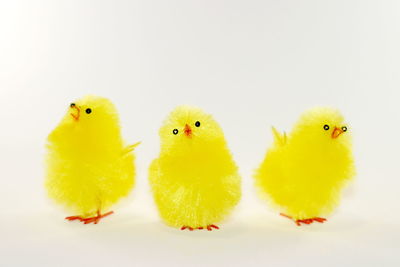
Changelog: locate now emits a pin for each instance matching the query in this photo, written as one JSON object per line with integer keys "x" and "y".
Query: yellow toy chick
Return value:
{"x": 195, "y": 181}
{"x": 88, "y": 167}
{"x": 304, "y": 172}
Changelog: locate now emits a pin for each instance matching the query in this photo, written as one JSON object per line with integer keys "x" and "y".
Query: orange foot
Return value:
{"x": 305, "y": 221}
{"x": 94, "y": 219}
{"x": 209, "y": 227}
{"x": 187, "y": 227}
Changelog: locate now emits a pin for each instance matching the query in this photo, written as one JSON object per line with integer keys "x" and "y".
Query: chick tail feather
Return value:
{"x": 278, "y": 137}
{"x": 130, "y": 148}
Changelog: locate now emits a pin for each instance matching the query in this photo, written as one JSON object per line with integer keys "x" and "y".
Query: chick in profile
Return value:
{"x": 88, "y": 166}
{"x": 195, "y": 182}
{"x": 303, "y": 172}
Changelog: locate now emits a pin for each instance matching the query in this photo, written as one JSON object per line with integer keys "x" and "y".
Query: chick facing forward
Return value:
{"x": 303, "y": 172}
{"x": 88, "y": 166}
{"x": 195, "y": 182}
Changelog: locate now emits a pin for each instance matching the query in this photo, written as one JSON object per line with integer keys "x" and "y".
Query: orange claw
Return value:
{"x": 305, "y": 221}
{"x": 187, "y": 227}
{"x": 209, "y": 227}
{"x": 94, "y": 220}
{"x": 320, "y": 220}
{"x": 73, "y": 218}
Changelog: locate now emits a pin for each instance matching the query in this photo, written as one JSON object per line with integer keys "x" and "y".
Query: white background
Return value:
{"x": 252, "y": 64}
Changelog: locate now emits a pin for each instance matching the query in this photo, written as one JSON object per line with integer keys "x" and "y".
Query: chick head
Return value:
{"x": 323, "y": 124}
{"x": 189, "y": 128}
{"x": 91, "y": 112}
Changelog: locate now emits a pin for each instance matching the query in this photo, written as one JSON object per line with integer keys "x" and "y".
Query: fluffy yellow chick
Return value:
{"x": 303, "y": 173}
{"x": 195, "y": 181}
{"x": 88, "y": 166}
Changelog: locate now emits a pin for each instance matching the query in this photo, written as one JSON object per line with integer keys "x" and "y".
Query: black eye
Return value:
{"x": 197, "y": 124}
{"x": 326, "y": 127}
{"x": 344, "y": 128}
{"x": 72, "y": 105}
{"x": 88, "y": 110}
{"x": 175, "y": 131}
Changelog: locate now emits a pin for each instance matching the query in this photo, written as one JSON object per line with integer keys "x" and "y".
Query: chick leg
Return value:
{"x": 305, "y": 221}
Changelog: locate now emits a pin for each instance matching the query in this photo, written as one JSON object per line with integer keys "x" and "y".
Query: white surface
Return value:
{"x": 252, "y": 64}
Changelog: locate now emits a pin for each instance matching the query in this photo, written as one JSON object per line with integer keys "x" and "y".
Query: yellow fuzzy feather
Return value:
{"x": 195, "y": 181}
{"x": 303, "y": 173}
{"x": 88, "y": 166}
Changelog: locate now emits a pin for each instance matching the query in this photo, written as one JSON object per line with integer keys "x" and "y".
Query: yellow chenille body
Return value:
{"x": 195, "y": 181}
{"x": 88, "y": 166}
{"x": 303, "y": 173}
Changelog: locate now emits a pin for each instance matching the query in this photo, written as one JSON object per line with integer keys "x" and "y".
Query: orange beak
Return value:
{"x": 188, "y": 131}
{"x": 337, "y": 132}
{"x": 77, "y": 113}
